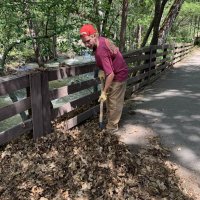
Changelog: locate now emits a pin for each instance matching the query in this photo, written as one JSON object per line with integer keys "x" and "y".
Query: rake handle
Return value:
{"x": 101, "y": 108}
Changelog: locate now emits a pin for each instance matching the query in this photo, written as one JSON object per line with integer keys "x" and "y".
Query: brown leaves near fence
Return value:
{"x": 86, "y": 163}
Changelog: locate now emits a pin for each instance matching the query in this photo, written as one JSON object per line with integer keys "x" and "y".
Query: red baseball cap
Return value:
{"x": 87, "y": 30}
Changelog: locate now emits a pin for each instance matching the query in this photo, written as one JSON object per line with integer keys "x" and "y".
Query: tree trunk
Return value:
{"x": 113, "y": 21}
{"x": 123, "y": 26}
{"x": 159, "y": 8}
{"x": 96, "y": 8}
{"x": 191, "y": 25}
{"x": 54, "y": 47}
{"x": 106, "y": 17}
{"x": 148, "y": 33}
{"x": 36, "y": 45}
{"x": 195, "y": 26}
{"x": 167, "y": 24}
{"x": 198, "y": 26}
{"x": 157, "y": 17}
{"x": 138, "y": 35}
{"x": 54, "y": 39}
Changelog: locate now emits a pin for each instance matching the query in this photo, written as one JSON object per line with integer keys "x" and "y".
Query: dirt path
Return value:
{"x": 170, "y": 109}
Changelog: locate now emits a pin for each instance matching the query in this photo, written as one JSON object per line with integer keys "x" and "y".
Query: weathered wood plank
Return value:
{"x": 160, "y": 68}
{"x": 137, "y": 68}
{"x": 137, "y": 52}
{"x": 82, "y": 117}
{"x": 164, "y": 53}
{"x": 154, "y": 78}
{"x": 162, "y": 61}
{"x": 28, "y": 94}
{"x": 178, "y": 45}
{"x": 64, "y": 72}
{"x": 67, "y": 90}
{"x": 13, "y": 83}
{"x": 176, "y": 51}
{"x": 16, "y": 131}
{"x": 140, "y": 85}
{"x": 46, "y": 104}
{"x": 152, "y": 61}
{"x": 15, "y": 108}
{"x": 136, "y": 58}
{"x": 137, "y": 78}
{"x": 178, "y": 55}
{"x": 156, "y": 47}
{"x": 36, "y": 105}
{"x": 68, "y": 107}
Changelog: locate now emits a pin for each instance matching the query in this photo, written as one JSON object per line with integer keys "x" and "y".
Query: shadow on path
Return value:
{"x": 170, "y": 109}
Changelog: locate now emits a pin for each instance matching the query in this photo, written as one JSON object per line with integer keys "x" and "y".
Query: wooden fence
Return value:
{"x": 145, "y": 66}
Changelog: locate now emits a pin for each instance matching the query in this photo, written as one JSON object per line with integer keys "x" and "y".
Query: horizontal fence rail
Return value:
{"x": 145, "y": 66}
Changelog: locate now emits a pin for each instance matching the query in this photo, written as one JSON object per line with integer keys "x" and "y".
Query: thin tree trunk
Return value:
{"x": 167, "y": 24}
{"x": 54, "y": 39}
{"x": 191, "y": 25}
{"x": 138, "y": 35}
{"x": 96, "y": 8}
{"x": 198, "y": 26}
{"x": 54, "y": 47}
{"x": 195, "y": 26}
{"x": 114, "y": 20}
{"x": 148, "y": 33}
{"x": 129, "y": 38}
{"x": 34, "y": 32}
{"x": 105, "y": 20}
{"x": 123, "y": 25}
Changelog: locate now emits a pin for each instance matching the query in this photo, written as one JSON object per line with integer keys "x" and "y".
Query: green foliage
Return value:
{"x": 21, "y": 19}
{"x": 186, "y": 24}
{"x": 190, "y": 8}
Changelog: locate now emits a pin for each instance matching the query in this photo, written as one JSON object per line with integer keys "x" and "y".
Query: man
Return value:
{"x": 113, "y": 67}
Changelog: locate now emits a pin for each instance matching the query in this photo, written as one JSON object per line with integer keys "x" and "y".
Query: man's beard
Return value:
{"x": 94, "y": 47}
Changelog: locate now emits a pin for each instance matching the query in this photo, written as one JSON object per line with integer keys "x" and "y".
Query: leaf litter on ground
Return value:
{"x": 85, "y": 163}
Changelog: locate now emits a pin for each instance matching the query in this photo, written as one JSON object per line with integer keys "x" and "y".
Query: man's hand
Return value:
{"x": 103, "y": 97}
{"x": 101, "y": 75}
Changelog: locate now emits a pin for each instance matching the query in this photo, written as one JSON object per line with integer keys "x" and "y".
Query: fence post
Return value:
{"x": 164, "y": 56}
{"x": 28, "y": 94}
{"x": 36, "y": 104}
{"x": 95, "y": 88}
{"x": 150, "y": 61}
{"x": 173, "y": 54}
{"x": 46, "y": 103}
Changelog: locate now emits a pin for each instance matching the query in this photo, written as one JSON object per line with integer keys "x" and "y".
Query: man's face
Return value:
{"x": 89, "y": 41}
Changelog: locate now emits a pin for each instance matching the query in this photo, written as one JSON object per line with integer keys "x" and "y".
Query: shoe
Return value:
{"x": 112, "y": 130}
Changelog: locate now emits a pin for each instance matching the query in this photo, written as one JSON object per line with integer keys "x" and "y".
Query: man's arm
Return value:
{"x": 108, "y": 82}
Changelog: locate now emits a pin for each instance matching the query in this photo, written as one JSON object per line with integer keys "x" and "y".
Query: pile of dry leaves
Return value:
{"x": 86, "y": 163}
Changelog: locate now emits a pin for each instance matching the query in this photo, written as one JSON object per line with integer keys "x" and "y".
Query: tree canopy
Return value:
{"x": 41, "y": 29}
